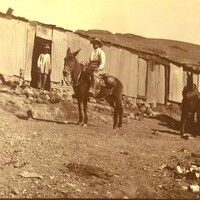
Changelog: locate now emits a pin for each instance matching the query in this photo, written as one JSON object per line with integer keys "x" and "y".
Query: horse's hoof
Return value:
{"x": 84, "y": 125}
{"x": 80, "y": 123}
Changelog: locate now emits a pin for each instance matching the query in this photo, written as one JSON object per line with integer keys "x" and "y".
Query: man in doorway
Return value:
{"x": 44, "y": 66}
{"x": 97, "y": 62}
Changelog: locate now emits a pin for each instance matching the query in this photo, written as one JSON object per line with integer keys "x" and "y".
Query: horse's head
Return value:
{"x": 69, "y": 62}
{"x": 190, "y": 80}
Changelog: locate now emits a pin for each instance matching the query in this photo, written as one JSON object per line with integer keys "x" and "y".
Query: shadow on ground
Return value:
{"x": 174, "y": 124}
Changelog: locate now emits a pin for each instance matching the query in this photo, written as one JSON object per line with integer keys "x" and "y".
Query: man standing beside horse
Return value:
{"x": 97, "y": 63}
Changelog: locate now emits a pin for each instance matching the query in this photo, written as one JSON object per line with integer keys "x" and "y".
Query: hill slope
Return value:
{"x": 180, "y": 52}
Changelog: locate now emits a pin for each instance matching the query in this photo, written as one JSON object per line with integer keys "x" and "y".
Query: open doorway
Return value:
{"x": 39, "y": 43}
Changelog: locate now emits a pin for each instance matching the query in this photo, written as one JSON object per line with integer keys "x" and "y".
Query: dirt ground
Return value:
{"x": 46, "y": 159}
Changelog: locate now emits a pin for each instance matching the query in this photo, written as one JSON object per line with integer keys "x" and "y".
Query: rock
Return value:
{"x": 14, "y": 191}
{"x": 162, "y": 167}
{"x": 18, "y": 83}
{"x": 18, "y": 90}
{"x": 30, "y": 175}
{"x": 143, "y": 108}
{"x": 184, "y": 188}
{"x": 28, "y": 92}
{"x": 194, "y": 188}
{"x": 36, "y": 94}
{"x": 156, "y": 133}
{"x": 4, "y": 90}
{"x": 39, "y": 100}
{"x": 26, "y": 101}
{"x": 25, "y": 84}
{"x": 179, "y": 170}
{"x": 92, "y": 100}
{"x": 31, "y": 99}
{"x": 55, "y": 98}
{"x": 127, "y": 120}
{"x": 132, "y": 116}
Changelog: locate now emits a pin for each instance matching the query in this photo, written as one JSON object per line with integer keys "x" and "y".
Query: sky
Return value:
{"x": 165, "y": 19}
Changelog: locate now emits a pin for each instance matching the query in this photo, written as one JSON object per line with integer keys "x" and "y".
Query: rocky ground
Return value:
{"x": 51, "y": 156}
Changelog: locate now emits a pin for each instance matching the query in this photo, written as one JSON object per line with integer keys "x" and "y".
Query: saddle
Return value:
{"x": 102, "y": 80}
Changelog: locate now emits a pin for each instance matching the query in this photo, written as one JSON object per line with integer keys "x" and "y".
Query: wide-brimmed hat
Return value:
{"x": 97, "y": 41}
{"x": 46, "y": 47}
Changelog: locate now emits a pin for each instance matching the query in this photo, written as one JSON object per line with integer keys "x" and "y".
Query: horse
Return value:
{"x": 81, "y": 83}
{"x": 190, "y": 104}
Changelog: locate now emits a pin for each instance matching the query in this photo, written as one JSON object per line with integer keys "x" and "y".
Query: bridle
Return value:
{"x": 79, "y": 79}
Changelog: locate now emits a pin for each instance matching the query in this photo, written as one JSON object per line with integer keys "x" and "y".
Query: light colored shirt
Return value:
{"x": 99, "y": 56}
{"x": 44, "y": 63}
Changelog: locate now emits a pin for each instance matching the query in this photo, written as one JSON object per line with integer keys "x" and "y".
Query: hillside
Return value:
{"x": 180, "y": 52}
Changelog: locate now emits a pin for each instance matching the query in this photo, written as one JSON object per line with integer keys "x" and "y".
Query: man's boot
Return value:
{"x": 91, "y": 92}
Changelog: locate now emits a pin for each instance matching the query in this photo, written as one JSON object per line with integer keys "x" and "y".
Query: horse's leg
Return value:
{"x": 182, "y": 125}
{"x": 184, "y": 118}
{"x": 110, "y": 100}
{"x": 85, "y": 121}
{"x": 120, "y": 111}
{"x": 80, "y": 112}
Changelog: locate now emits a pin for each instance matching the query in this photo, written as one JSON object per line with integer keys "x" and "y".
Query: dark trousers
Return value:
{"x": 42, "y": 78}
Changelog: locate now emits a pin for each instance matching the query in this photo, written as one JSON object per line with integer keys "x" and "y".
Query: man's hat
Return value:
{"x": 97, "y": 41}
{"x": 46, "y": 47}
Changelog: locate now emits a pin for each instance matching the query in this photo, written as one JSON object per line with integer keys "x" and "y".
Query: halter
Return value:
{"x": 69, "y": 72}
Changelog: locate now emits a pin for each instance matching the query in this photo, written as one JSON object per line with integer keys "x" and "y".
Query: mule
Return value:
{"x": 190, "y": 104}
{"x": 81, "y": 83}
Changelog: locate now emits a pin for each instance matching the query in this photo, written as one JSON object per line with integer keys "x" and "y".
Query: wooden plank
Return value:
{"x": 58, "y": 54}
{"x": 175, "y": 83}
{"x": 160, "y": 96}
{"x": 29, "y": 51}
{"x": 151, "y": 82}
{"x": 114, "y": 61}
{"x": 142, "y": 80}
{"x": 124, "y": 69}
{"x": 107, "y": 52}
{"x": 44, "y": 32}
{"x": 6, "y": 41}
{"x": 19, "y": 46}
{"x": 132, "y": 76}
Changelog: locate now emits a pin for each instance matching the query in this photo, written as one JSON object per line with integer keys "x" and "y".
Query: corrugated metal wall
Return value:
{"x": 59, "y": 46}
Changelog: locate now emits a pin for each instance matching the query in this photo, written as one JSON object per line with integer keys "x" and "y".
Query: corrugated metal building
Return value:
{"x": 144, "y": 76}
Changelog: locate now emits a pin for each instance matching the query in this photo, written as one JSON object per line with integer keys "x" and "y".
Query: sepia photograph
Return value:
{"x": 100, "y": 99}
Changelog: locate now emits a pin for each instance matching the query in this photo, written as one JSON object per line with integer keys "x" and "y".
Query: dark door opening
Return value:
{"x": 37, "y": 50}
